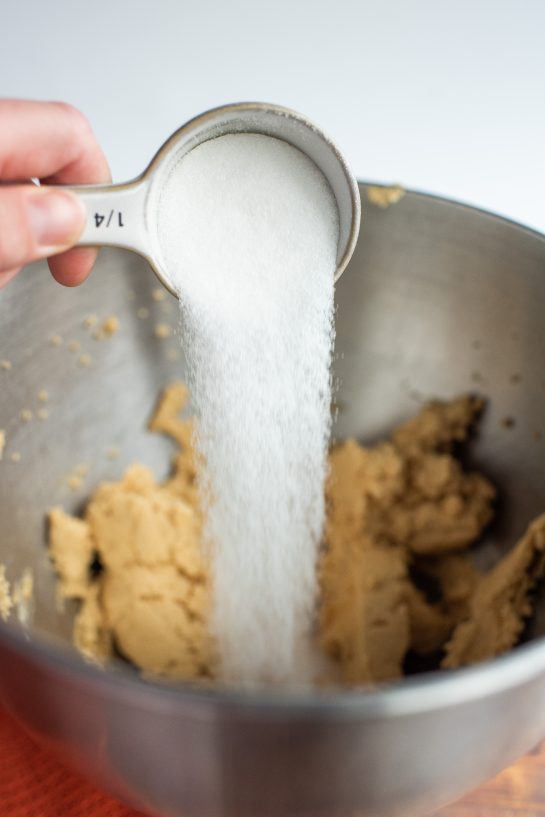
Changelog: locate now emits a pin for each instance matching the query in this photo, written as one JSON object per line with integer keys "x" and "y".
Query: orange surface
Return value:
{"x": 516, "y": 792}
{"x": 33, "y": 784}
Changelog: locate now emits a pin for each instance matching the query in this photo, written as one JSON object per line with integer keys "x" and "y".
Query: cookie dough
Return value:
{"x": 384, "y": 197}
{"x": 71, "y": 550}
{"x": 387, "y": 506}
{"x": 17, "y": 597}
{"x": 456, "y": 578}
{"x": 150, "y": 602}
{"x": 500, "y": 603}
{"x": 362, "y": 579}
{"x": 394, "y": 578}
{"x": 430, "y": 625}
{"x": 6, "y": 601}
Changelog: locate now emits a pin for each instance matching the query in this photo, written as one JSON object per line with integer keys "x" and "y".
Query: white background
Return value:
{"x": 446, "y": 96}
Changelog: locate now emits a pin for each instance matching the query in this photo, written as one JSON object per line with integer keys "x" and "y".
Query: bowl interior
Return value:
{"x": 438, "y": 299}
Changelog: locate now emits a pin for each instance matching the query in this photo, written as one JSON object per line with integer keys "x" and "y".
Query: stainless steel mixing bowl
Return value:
{"x": 438, "y": 299}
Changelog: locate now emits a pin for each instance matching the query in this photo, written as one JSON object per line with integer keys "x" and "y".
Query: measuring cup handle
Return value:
{"x": 116, "y": 215}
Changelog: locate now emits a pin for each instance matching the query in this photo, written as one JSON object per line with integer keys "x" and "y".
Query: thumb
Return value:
{"x": 36, "y": 222}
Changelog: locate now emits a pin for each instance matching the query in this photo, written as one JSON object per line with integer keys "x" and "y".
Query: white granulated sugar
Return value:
{"x": 248, "y": 229}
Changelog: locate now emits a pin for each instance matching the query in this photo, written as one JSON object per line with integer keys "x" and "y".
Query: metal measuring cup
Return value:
{"x": 125, "y": 215}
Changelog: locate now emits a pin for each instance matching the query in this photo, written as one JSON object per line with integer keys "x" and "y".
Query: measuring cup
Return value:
{"x": 125, "y": 215}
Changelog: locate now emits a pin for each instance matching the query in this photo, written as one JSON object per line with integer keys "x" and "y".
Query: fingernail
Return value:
{"x": 56, "y": 218}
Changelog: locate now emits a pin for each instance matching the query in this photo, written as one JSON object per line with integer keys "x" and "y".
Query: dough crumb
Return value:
{"x": 26, "y": 415}
{"x": 74, "y": 346}
{"x": 166, "y": 418}
{"x": 163, "y": 330}
{"x": 15, "y": 456}
{"x": 158, "y": 294}
{"x": 507, "y": 422}
{"x": 5, "y": 365}
{"x": 23, "y": 597}
{"x": 71, "y": 550}
{"x": 42, "y": 414}
{"x": 109, "y": 327}
{"x": 56, "y": 340}
{"x": 75, "y": 479}
{"x": 6, "y": 601}
{"x": 2, "y": 442}
{"x": 385, "y": 196}
{"x": 43, "y": 396}
{"x": 90, "y": 321}
{"x": 85, "y": 361}
{"x": 92, "y": 635}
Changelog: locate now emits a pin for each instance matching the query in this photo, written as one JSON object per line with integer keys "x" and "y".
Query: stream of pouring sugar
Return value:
{"x": 248, "y": 229}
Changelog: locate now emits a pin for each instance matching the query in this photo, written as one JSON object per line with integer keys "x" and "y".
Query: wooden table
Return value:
{"x": 517, "y": 792}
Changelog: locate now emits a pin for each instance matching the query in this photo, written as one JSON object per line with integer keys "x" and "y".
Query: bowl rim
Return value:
{"x": 408, "y": 696}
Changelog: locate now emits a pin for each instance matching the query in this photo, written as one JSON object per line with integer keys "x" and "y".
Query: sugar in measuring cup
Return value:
{"x": 126, "y": 215}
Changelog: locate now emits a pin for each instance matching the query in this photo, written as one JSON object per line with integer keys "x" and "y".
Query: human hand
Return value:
{"x": 53, "y": 142}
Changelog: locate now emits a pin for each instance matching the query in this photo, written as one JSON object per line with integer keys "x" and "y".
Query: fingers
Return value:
{"x": 72, "y": 268}
{"x": 36, "y": 223}
{"x": 51, "y": 141}
{"x": 54, "y": 142}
